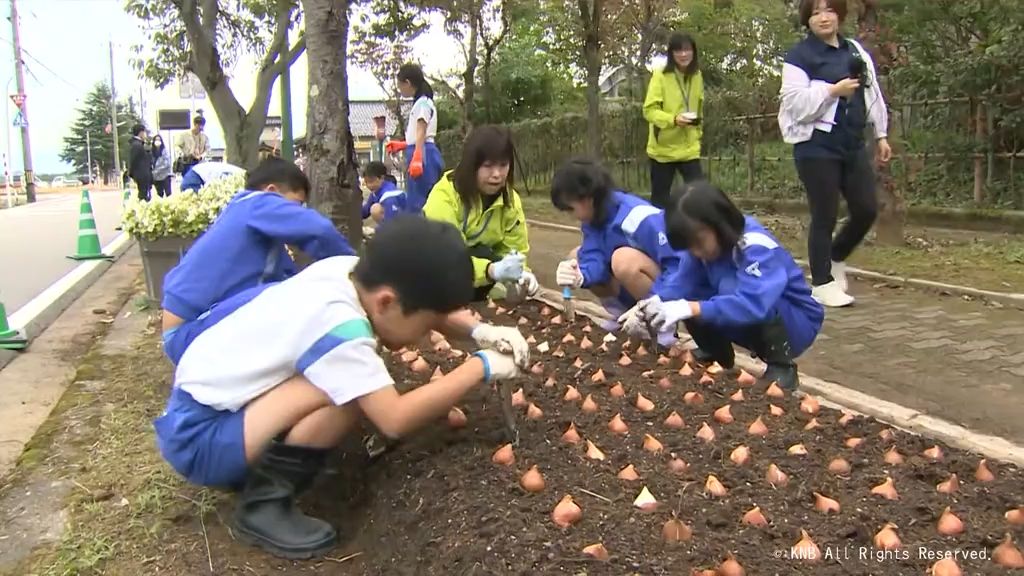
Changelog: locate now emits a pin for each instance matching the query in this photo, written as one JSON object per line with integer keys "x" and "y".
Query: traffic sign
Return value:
{"x": 19, "y": 121}
{"x": 18, "y": 99}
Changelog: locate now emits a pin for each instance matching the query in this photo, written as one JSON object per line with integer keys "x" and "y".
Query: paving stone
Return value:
{"x": 1018, "y": 370}
{"x": 929, "y": 344}
{"x": 975, "y": 322}
{"x": 893, "y": 326}
{"x": 1010, "y": 331}
{"x": 885, "y": 334}
{"x": 851, "y": 347}
{"x": 978, "y": 356}
{"x": 978, "y": 345}
{"x": 1015, "y": 359}
{"x": 933, "y": 334}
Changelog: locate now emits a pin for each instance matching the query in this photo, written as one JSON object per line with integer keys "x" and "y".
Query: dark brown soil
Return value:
{"x": 436, "y": 504}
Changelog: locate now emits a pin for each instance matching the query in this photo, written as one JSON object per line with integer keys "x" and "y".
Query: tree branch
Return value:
{"x": 211, "y": 11}
{"x": 449, "y": 88}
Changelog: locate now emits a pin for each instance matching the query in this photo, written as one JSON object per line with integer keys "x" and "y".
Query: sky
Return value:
{"x": 66, "y": 50}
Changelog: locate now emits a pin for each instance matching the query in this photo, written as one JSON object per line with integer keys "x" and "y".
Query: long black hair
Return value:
{"x": 699, "y": 205}
{"x": 581, "y": 178}
{"x": 678, "y": 41}
{"x": 488, "y": 143}
{"x": 413, "y": 74}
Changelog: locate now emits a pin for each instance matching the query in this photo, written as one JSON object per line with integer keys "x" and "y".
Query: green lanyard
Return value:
{"x": 684, "y": 88}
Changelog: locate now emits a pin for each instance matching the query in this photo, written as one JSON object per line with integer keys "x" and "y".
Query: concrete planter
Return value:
{"x": 158, "y": 257}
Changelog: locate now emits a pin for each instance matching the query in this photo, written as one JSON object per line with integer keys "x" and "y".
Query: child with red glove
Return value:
{"x": 423, "y": 159}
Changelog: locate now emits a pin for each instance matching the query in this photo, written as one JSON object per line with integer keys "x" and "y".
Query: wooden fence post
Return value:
{"x": 751, "y": 159}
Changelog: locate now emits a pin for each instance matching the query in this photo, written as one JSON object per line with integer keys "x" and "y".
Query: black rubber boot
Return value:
{"x": 711, "y": 345}
{"x": 265, "y": 512}
{"x": 773, "y": 349}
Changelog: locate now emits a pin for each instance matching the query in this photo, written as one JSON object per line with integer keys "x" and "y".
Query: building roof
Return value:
{"x": 362, "y": 112}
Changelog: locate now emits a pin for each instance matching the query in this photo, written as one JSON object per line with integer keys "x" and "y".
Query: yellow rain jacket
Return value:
{"x": 500, "y": 227}
{"x": 665, "y": 100}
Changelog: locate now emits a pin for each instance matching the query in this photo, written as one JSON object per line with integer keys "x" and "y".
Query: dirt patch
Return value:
{"x": 436, "y": 504}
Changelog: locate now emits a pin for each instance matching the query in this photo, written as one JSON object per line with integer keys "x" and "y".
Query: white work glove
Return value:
{"x": 568, "y": 274}
{"x": 661, "y": 314}
{"x": 497, "y": 366}
{"x": 504, "y": 339}
{"x": 529, "y": 282}
{"x": 634, "y": 323}
{"x": 509, "y": 268}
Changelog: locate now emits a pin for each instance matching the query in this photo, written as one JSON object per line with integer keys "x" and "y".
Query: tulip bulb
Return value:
{"x": 578, "y": 363}
{"x": 550, "y": 382}
{"x": 886, "y": 434}
{"x": 853, "y": 442}
{"x": 586, "y": 344}
{"x": 643, "y": 404}
{"x": 617, "y": 391}
{"x": 806, "y": 549}
{"x": 504, "y": 456}
{"x": 645, "y": 501}
{"x": 824, "y": 504}
{"x": 568, "y": 339}
{"x": 617, "y": 426}
{"x": 809, "y": 405}
{"x": 706, "y": 433}
{"x": 1007, "y": 554}
{"x": 723, "y": 415}
{"x": 625, "y": 360}
{"x": 674, "y": 530}
{"x": 746, "y": 378}
{"x": 754, "y": 517}
{"x": 674, "y": 420}
{"x": 598, "y": 376}
{"x": 730, "y": 567}
{"x": 893, "y": 457}
{"x": 518, "y": 398}
{"x": 628, "y": 473}
{"x": 664, "y": 360}
{"x": 983, "y": 474}
{"x": 845, "y": 419}
{"x": 740, "y": 455}
{"x": 651, "y": 444}
{"x": 532, "y": 340}
{"x": 693, "y": 398}
{"x": 776, "y": 477}
{"x": 757, "y": 428}
{"x": 886, "y": 490}
{"x": 571, "y": 436}
{"x": 715, "y": 487}
{"x": 419, "y": 365}
{"x": 1015, "y": 517}
{"x": 839, "y": 467}
{"x": 774, "y": 391}
{"x": 775, "y": 410}
{"x": 566, "y": 512}
{"x": 456, "y": 417}
{"x": 686, "y": 370}
{"x": 558, "y": 353}
{"x": 797, "y": 450}
{"x": 501, "y": 311}
{"x": 887, "y": 539}
{"x": 556, "y": 320}
{"x": 532, "y": 480}
{"x": 949, "y": 486}
{"x": 812, "y": 424}
{"x": 707, "y": 380}
{"x": 409, "y": 356}
{"x": 589, "y": 405}
{"x": 598, "y": 551}
{"x": 737, "y": 396}
{"x": 678, "y": 466}
{"x": 641, "y": 351}
{"x": 593, "y": 452}
{"x": 537, "y": 369}
{"x": 571, "y": 394}
{"x": 715, "y": 369}
{"x": 933, "y": 453}
{"x": 533, "y": 412}
{"x": 946, "y": 567}
{"x": 949, "y": 524}
{"x": 523, "y": 321}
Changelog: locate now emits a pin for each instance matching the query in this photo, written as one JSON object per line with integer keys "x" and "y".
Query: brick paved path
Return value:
{"x": 954, "y": 359}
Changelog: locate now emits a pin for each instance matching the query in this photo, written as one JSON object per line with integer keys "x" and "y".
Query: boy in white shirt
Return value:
{"x": 264, "y": 393}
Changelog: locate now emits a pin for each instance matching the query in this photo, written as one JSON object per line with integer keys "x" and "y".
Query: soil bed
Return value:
{"x": 441, "y": 506}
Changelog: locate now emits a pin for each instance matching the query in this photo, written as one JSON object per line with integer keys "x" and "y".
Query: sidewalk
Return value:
{"x": 959, "y": 360}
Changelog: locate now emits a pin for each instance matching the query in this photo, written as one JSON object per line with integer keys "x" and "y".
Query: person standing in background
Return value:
{"x": 423, "y": 159}
{"x": 140, "y": 162}
{"x": 829, "y": 95}
{"x": 674, "y": 108}
{"x": 161, "y": 167}
{"x": 192, "y": 146}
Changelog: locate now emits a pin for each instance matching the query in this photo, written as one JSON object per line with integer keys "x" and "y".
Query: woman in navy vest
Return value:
{"x": 830, "y": 94}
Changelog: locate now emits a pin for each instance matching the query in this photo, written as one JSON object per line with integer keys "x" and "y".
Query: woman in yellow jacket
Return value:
{"x": 477, "y": 198}
{"x": 674, "y": 107}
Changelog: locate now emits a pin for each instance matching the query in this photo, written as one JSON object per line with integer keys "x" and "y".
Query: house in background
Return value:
{"x": 361, "y": 114}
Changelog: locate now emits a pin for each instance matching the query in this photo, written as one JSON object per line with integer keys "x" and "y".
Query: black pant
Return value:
{"x": 662, "y": 174}
{"x": 769, "y": 340}
{"x": 144, "y": 186}
{"x": 486, "y": 253}
{"x": 824, "y": 180}
{"x": 163, "y": 187}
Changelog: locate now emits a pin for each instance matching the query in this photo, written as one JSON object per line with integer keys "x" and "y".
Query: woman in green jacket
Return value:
{"x": 674, "y": 107}
{"x": 477, "y": 198}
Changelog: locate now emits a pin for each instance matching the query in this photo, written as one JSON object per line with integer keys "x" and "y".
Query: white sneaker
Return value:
{"x": 839, "y": 275}
{"x": 831, "y": 295}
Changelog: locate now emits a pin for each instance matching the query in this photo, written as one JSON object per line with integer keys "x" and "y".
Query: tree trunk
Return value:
{"x": 892, "y": 212}
{"x": 469, "y": 75}
{"x": 332, "y": 160}
{"x": 590, "y": 16}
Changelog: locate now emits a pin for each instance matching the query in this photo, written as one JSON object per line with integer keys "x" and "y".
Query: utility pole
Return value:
{"x": 287, "y": 144}
{"x": 26, "y": 144}
{"x": 113, "y": 121}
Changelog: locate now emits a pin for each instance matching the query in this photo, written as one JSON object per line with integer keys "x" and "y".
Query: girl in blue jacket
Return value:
{"x": 760, "y": 297}
{"x": 386, "y": 200}
{"x": 625, "y": 255}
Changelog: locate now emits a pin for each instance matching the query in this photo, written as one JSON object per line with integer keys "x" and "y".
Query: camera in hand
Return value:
{"x": 858, "y": 70}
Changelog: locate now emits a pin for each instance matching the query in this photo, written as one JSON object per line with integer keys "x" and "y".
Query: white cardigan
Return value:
{"x": 806, "y": 105}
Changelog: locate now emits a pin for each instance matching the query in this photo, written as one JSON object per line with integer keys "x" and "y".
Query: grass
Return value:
{"x": 988, "y": 261}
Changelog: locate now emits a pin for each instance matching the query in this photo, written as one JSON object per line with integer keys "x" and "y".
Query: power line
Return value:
{"x": 43, "y": 65}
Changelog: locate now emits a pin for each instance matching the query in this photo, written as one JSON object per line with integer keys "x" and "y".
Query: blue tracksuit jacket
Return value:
{"x": 757, "y": 281}
{"x": 389, "y": 197}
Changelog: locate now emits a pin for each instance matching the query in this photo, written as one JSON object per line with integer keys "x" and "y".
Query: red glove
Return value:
{"x": 394, "y": 146}
{"x": 416, "y": 165}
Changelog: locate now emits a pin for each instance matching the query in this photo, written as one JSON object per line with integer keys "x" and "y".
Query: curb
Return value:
{"x": 1008, "y": 298}
{"x": 836, "y": 395}
{"x": 37, "y": 315}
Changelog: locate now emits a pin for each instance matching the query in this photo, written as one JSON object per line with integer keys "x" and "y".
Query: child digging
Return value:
{"x": 263, "y": 395}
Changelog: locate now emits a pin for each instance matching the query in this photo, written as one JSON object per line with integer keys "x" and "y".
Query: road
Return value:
{"x": 35, "y": 240}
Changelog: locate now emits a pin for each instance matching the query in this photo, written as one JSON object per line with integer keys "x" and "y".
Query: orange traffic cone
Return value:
{"x": 88, "y": 238}
{"x": 9, "y": 339}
